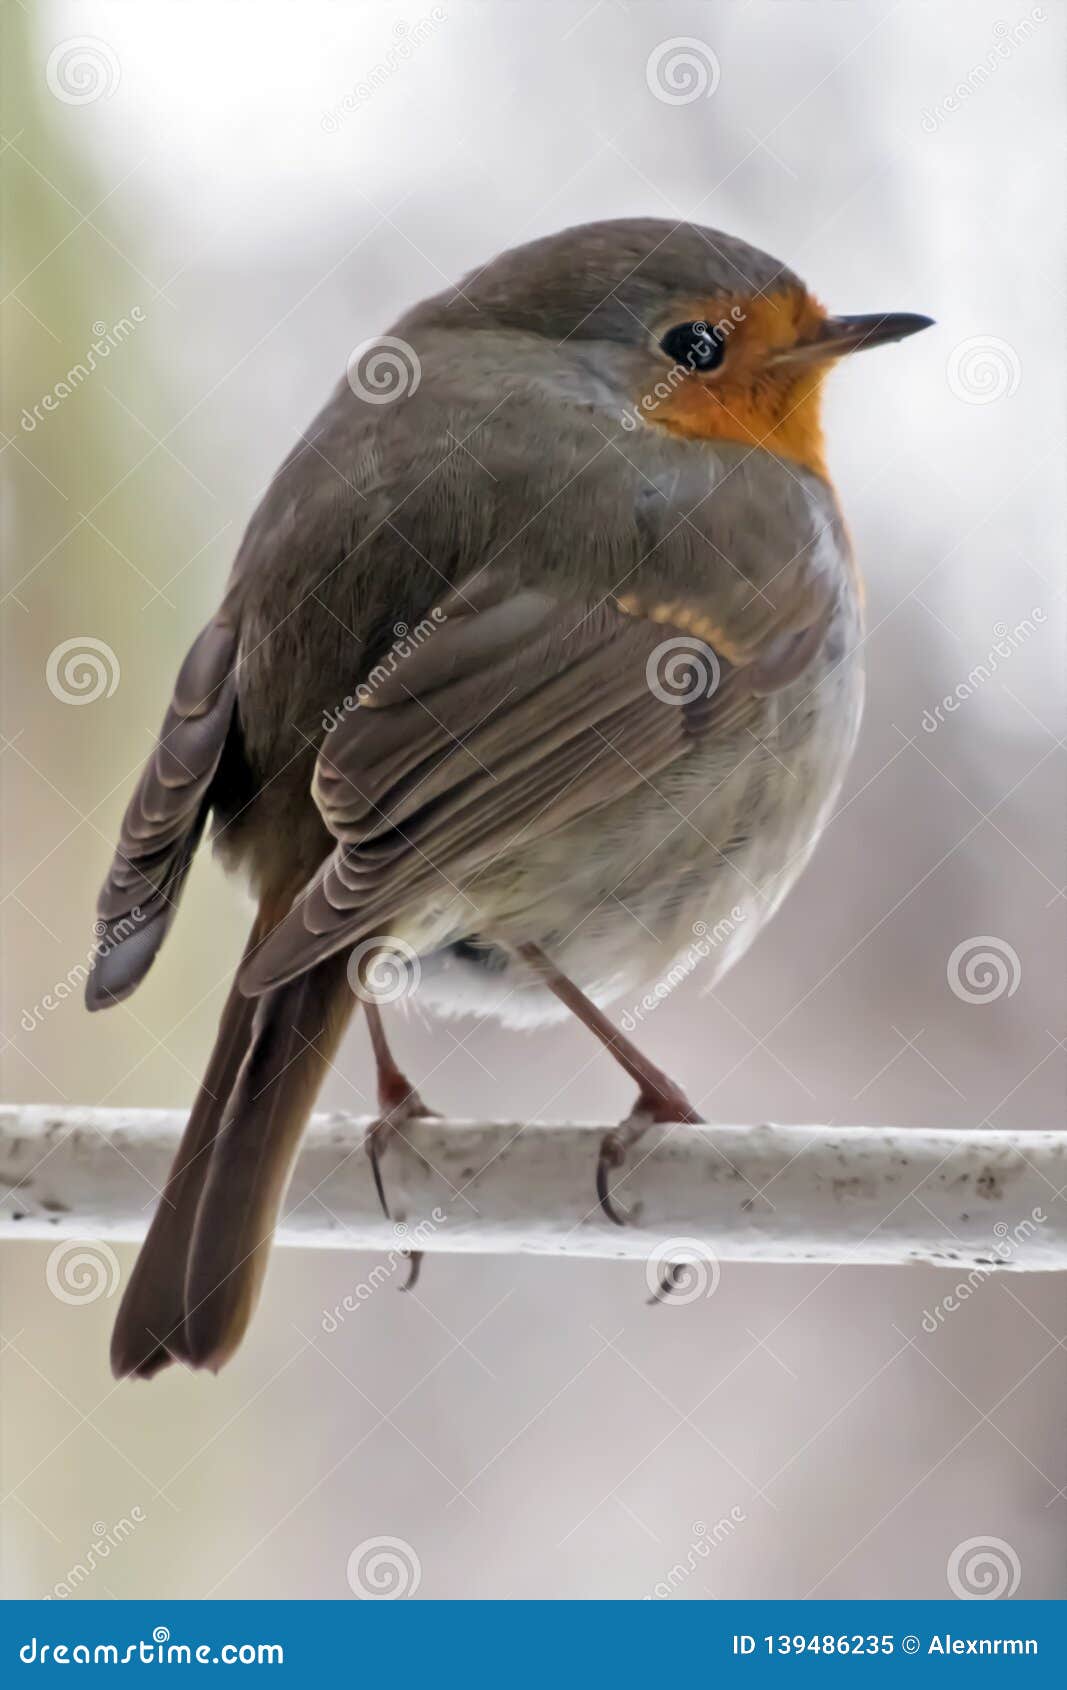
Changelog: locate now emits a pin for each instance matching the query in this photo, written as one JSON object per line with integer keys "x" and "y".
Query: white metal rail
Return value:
{"x": 970, "y": 1199}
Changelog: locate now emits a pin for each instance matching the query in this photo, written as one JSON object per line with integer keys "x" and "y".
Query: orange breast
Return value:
{"x": 749, "y": 400}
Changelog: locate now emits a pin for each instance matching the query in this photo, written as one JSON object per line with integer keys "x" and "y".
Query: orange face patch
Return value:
{"x": 748, "y": 399}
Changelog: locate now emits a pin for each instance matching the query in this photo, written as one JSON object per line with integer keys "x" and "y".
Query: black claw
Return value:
{"x": 609, "y": 1160}
{"x": 667, "y": 1284}
{"x": 374, "y": 1157}
{"x": 414, "y": 1269}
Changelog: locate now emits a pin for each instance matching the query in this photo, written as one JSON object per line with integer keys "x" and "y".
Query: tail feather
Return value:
{"x": 149, "y": 1326}
{"x": 237, "y": 1150}
{"x": 296, "y": 1029}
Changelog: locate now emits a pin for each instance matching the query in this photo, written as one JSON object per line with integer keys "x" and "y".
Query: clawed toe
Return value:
{"x": 667, "y": 1108}
{"x": 411, "y": 1108}
{"x": 612, "y": 1156}
{"x": 408, "y": 1107}
{"x": 669, "y": 1282}
{"x": 374, "y": 1143}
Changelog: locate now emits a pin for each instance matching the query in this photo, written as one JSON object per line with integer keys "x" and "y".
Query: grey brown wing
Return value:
{"x": 298, "y": 516}
{"x": 519, "y": 713}
{"x": 164, "y": 819}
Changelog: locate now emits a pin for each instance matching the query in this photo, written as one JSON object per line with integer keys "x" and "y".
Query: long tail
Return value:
{"x": 195, "y": 1282}
{"x": 296, "y": 1029}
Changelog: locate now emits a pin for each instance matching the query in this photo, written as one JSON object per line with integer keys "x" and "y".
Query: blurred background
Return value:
{"x": 230, "y": 198}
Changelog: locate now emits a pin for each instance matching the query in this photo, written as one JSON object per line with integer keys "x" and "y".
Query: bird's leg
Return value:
{"x": 658, "y": 1099}
{"x": 399, "y": 1102}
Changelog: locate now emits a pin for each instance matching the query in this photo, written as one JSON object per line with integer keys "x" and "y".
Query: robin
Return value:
{"x": 589, "y": 489}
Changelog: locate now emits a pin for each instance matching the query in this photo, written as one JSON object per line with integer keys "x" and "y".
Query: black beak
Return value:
{"x": 841, "y": 335}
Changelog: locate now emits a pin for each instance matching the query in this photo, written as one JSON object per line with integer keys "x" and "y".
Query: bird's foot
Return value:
{"x": 398, "y": 1108}
{"x": 400, "y": 1103}
{"x": 666, "y": 1104}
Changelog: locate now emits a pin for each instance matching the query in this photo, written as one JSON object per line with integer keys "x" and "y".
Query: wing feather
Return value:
{"x": 513, "y": 721}
{"x": 165, "y": 819}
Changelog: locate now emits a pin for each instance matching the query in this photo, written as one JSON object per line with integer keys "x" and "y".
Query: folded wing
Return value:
{"x": 520, "y": 712}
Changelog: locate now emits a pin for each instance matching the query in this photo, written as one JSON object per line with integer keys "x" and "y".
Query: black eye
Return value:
{"x": 696, "y": 345}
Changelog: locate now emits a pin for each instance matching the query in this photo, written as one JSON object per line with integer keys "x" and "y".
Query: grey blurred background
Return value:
{"x": 255, "y": 189}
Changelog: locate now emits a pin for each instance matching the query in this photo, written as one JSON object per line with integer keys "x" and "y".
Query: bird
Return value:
{"x": 541, "y": 652}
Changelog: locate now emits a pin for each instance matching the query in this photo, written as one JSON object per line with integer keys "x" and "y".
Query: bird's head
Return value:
{"x": 697, "y": 332}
